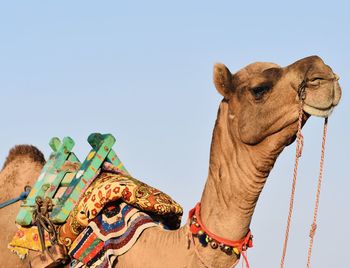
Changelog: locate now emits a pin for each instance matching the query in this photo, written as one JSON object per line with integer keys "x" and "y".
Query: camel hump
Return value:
{"x": 25, "y": 150}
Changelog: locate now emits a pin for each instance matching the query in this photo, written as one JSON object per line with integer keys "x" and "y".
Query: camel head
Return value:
{"x": 263, "y": 99}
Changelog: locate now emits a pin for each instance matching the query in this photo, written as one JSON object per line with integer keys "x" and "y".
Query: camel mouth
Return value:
{"x": 320, "y": 112}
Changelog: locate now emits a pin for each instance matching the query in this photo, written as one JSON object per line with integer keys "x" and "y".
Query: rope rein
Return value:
{"x": 299, "y": 148}
{"x": 318, "y": 192}
{"x": 298, "y": 152}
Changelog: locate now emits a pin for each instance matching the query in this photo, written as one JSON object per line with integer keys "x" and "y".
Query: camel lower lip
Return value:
{"x": 317, "y": 111}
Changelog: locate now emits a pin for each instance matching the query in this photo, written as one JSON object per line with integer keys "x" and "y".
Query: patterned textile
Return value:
{"x": 113, "y": 232}
{"x": 27, "y": 239}
{"x": 113, "y": 185}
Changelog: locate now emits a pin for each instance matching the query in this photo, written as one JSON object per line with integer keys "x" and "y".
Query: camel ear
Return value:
{"x": 222, "y": 79}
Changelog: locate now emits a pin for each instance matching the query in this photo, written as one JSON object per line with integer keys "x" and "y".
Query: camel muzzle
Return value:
{"x": 321, "y": 96}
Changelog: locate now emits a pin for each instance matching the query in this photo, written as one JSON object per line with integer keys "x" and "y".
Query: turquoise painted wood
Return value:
{"x": 48, "y": 179}
{"x": 52, "y": 177}
{"x": 95, "y": 139}
{"x": 101, "y": 147}
{"x": 114, "y": 159}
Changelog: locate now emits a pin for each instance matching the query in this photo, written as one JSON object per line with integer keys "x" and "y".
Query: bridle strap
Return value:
{"x": 301, "y": 90}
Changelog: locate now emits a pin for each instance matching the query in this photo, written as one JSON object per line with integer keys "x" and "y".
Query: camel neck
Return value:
{"x": 233, "y": 185}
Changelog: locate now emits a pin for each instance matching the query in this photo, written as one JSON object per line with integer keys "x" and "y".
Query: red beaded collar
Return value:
{"x": 206, "y": 237}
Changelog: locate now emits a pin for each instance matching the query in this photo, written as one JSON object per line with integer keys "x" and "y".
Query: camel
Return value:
{"x": 257, "y": 119}
{"x": 22, "y": 167}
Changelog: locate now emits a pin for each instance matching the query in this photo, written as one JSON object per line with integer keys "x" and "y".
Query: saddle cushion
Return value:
{"x": 113, "y": 185}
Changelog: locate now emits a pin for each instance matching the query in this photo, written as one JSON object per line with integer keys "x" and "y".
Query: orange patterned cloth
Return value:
{"x": 112, "y": 185}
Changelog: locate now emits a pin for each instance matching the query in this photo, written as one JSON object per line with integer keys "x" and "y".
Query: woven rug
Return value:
{"x": 109, "y": 235}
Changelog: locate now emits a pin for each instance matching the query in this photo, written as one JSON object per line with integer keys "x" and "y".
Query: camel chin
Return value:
{"x": 317, "y": 111}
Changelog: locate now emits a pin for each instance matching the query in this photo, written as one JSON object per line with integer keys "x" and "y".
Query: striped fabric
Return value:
{"x": 113, "y": 232}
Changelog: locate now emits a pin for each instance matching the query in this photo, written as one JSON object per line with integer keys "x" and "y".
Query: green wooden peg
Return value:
{"x": 55, "y": 144}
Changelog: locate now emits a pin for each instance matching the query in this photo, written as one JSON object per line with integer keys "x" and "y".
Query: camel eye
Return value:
{"x": 258, "y": 92}
{"x": 315, "y": 81}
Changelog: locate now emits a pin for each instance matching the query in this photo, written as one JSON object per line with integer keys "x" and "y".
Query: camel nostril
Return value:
{"x": 336, "y": 77}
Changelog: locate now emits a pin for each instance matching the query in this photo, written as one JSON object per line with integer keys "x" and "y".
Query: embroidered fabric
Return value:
{"x": 112, "y": 233}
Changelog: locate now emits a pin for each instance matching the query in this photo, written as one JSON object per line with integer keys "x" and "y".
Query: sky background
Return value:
{"x": 142, "y": 70}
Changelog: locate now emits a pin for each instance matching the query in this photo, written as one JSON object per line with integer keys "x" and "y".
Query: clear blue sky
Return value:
{"x": 142, "y": 70}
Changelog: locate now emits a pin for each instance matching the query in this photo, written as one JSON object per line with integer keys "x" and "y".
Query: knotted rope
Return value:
{"x": 299, "y": 148}
{"x": 55, "y": 255}
{"x": 41, "y": 219}
{"x": 298, "y": 152}
{"x": 318, "y": 192}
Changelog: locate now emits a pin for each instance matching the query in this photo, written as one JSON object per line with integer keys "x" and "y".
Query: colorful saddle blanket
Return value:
{"x": 109, "y": 235}
{"x": 111, "y": 214}
{"x": 113, "y": 185}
